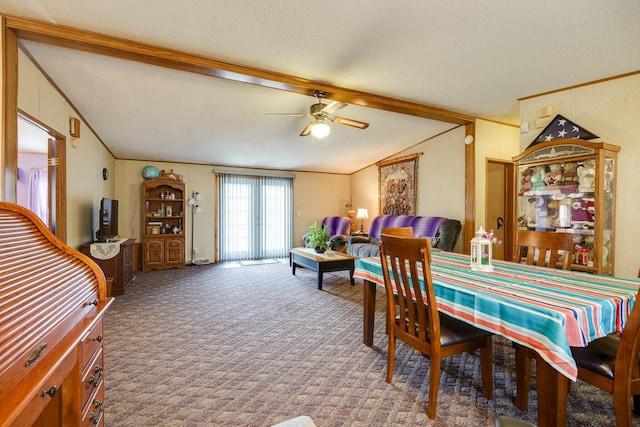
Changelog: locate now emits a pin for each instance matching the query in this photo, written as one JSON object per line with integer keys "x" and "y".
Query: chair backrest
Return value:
{"x": 404, "y": 260}
{"x": 337, "y": 225}
{"x": 398, "y": 231}
{"x": 627, "y": 368}
{"x": 541, "y": 248}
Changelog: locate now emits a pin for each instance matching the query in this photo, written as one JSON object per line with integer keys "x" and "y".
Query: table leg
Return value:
{"x": 293, "y": 268}
{"x": 369, "y": 305}
{"x": 523, "y": 377}
{"x": 553, "y": 391}
{"x": 320, "y": 272}
{"x": 351, "y": 270}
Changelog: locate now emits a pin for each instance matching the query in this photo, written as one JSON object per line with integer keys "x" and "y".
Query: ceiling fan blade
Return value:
{"x": 333, "y": 107}
{"x": 286, "y": 114}
{"x": 351, "y": 122}
{"x": 307, "y": 130}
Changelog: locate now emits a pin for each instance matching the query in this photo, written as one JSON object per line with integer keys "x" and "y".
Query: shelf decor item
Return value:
{"x": 150, "y": 172}
{"x": 482, "y": 250}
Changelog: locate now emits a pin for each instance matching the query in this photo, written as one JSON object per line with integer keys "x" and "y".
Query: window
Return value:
{"x": 256, "y": 216}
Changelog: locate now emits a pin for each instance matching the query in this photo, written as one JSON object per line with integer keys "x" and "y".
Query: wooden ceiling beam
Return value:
{"x": 87, "y": 41}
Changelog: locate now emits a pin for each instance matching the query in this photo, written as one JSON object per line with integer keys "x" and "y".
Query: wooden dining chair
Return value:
{"x": 542, "y": 249}
{"x": 417, "y": 321}
{"x": 612, "y": 364}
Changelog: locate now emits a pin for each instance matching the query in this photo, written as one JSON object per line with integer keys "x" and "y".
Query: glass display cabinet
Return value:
{"x": 568, "y": 186}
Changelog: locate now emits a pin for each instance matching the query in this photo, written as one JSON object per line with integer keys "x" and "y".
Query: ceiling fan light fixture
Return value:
{"x": 320, "y": 129}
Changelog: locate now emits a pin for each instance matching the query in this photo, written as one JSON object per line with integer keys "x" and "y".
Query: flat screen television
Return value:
{"x": 108, "y": 227}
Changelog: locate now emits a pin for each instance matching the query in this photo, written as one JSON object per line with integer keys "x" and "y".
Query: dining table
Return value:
{"x": 546, "y": 310}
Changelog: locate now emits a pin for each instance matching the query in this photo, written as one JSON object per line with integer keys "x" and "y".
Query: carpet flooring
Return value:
{"x": 254, "y": 346}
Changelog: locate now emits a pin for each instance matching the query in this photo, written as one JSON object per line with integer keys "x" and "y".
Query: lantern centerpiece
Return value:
{"x": 481, "y": 251}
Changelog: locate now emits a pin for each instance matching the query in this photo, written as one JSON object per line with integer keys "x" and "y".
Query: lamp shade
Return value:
{"x": 320, "y": 129}
{"x": 362, "y": 214}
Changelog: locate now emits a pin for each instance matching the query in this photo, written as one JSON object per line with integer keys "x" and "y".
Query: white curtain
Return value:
{"x": 256, "y": 217}
{"x": 37, "y": 193}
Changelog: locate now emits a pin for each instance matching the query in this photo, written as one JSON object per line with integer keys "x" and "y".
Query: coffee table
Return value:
{"x": 321, "y": 263}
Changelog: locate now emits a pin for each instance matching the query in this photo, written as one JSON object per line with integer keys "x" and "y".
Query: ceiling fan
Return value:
{"x": 321, "y": 114}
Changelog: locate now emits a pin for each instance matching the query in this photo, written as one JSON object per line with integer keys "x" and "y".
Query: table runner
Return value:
{"x": 106, "y": 250}
{"x": 545, "y": 309}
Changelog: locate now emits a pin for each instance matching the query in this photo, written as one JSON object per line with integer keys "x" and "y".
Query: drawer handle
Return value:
{"x": 95, "y": 418}
{"x": 98, "y": 338}
{"x": 94, "y": 302}
{"x": 97, "y": 404}
{"x": 36, "y": 354}
{"x": 98, "y": 369}
{"x": 52, "y": 391}
{"x": 95, "y": 380}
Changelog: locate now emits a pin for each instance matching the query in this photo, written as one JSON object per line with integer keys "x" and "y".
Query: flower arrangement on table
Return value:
{"x": 490, "y": 236}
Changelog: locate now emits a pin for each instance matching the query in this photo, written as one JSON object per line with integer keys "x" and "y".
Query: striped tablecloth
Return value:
{"x": 545, "y": 309}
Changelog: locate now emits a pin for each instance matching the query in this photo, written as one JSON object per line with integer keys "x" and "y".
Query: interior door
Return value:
{"x": 499, "y": 216}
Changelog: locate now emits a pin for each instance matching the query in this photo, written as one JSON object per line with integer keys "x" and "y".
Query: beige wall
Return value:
{"x": 609, "y": 110}
{"x": 316, "y": 195}
{"x": 440, "y": 179}
{"x": 85, "y": 186}
{"x": 493, "y": 141}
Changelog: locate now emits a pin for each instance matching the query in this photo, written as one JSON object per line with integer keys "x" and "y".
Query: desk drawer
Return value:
{"x": 90, "y": 343}
{"x": 94, "y": 412}
{"x": 92, "y": 378}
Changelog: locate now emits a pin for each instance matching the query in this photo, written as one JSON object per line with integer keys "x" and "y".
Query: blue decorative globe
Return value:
{"x": 150, "y": 172}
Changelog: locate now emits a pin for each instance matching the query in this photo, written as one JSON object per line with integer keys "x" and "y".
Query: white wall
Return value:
{"x": 610, "y": 110}
{"x": 85, "y": 186}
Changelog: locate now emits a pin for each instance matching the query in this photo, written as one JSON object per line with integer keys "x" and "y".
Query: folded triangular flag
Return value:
{"x": 560, "y": 128}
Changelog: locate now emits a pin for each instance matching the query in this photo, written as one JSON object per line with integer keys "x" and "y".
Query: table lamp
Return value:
{"x": 362, "y": 215}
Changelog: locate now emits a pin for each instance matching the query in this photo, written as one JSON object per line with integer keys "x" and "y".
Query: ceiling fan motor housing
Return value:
{"x": 317, "y": 108}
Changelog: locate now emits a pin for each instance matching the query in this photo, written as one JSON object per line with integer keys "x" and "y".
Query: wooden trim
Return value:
{"x": 398, "y": 159}
{"x": 593, "y": 82}
{"x": 10, "y": 114}
{"x": 469, "y": 188}
{"x": 73, "y": 38}
{"x": 58, "y": 196}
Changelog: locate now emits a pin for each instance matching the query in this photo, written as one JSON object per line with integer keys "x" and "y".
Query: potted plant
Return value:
{"x": 318, "y": 238}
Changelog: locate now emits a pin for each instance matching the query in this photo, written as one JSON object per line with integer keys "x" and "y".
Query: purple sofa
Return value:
{"x": 443, "y": 233}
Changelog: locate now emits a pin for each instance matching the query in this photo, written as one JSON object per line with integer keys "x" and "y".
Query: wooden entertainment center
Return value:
{"x": 53, "y": 299}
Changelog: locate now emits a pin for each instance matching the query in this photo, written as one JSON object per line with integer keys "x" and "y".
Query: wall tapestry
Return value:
{"x": 397, "y": 186}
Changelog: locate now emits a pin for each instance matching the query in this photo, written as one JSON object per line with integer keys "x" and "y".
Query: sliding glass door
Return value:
{"x": 256, "y": 217}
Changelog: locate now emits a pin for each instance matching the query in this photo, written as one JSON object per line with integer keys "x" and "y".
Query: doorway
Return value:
{"x": 40, "y": 176}
{"x": 499, "y": 202}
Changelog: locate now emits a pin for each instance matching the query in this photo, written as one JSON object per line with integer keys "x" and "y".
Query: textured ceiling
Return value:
{"x": 470, "y": 57}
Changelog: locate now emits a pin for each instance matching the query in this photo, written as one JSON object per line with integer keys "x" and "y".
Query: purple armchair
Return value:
{"x": 339, "y": 228}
